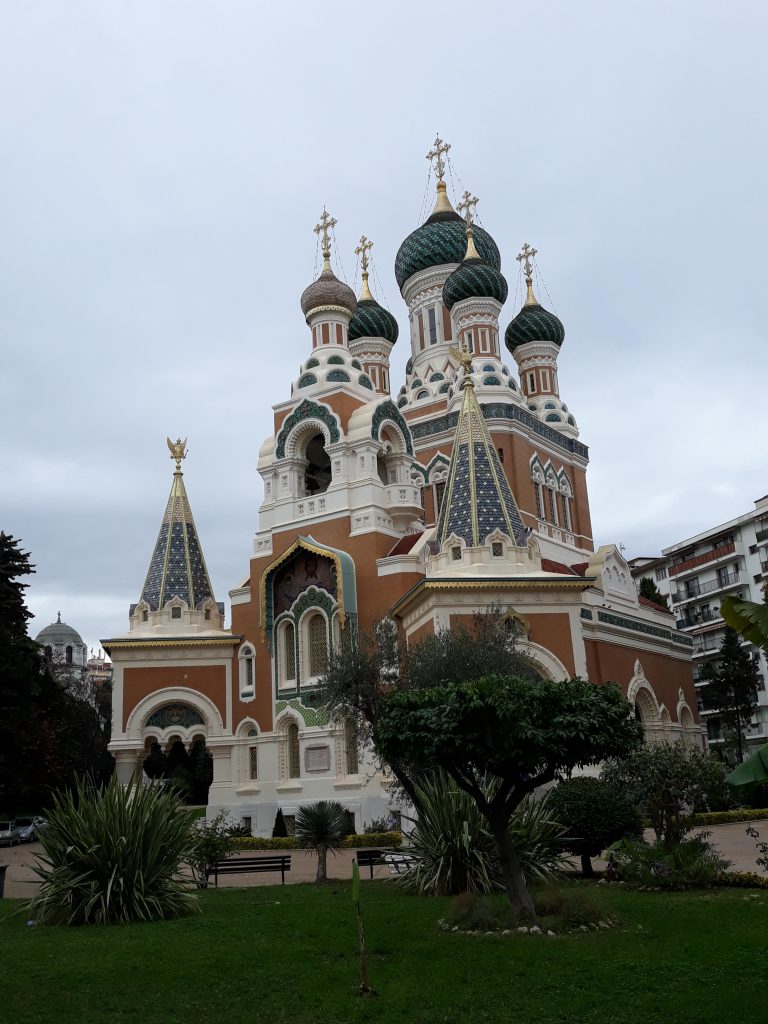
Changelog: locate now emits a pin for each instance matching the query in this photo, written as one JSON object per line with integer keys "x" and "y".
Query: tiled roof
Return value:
{"x": 404, "y": 545}
{"x": 653, "y": 604}
{"x": 478, "y": 498}
{"x": 177, "y": 568}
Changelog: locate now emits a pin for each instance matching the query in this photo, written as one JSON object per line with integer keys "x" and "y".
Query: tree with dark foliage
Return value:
{"x": 731, "y": 688}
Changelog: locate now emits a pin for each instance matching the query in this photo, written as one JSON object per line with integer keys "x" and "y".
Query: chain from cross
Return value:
{"x": 468, "y": 203}
{"x": 362, "y": 251}
{"x": 326, "y": 225}
{"x": 525, "y": 256}
{"x": 436, "y": 154}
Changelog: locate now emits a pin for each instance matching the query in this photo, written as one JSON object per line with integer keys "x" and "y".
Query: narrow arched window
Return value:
{"x": 318, "y": 645}
{"x": 566, "y": 511}
{"x": 247, "y": 659}
{"x": 289, "y": 652}
{"x": 69, "y": 655}
{"x": 294, "y": 761}
{"x": 350, "y": 745}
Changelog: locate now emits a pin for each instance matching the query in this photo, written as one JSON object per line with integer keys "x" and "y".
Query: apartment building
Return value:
{"x": 696, "y": 574}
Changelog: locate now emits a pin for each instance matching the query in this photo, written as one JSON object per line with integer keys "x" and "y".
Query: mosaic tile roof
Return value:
{"x": 177, "y": 568}
{"x": 534, "y": 323}
{"x": 441, "y": 239}
{"x": 373, "y": 321}
{"x": 474, "y": 279}
{"x": 327, "y": 290}
{"x": 478, "y": 498}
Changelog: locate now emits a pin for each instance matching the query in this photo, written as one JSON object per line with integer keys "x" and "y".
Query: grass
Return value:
{"x": 269, "y": 955}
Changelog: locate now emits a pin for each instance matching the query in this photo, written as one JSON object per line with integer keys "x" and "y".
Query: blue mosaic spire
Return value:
{"x": 478, "y": 499}
{"x": 177, "y": 568}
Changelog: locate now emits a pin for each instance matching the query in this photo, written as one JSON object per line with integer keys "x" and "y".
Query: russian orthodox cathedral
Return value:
{"x": 464, "y": 488}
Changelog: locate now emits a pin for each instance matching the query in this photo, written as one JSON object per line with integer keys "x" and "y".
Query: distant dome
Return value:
{"x": 534, "y": 323}
{"x": 327, "y": 290}
{"x": 442, "y": 238}
{"x": 58, "y": 633}
{"x": 474, "y": 279}
{"x": 373, "y": 321}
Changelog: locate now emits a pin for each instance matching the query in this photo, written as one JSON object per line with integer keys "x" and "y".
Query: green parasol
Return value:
{"x": 754, "y": 769}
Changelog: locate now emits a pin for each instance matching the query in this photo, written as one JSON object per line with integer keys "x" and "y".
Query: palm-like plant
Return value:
{"x": 321, "y": 827}
{"x": 114, "y": 856}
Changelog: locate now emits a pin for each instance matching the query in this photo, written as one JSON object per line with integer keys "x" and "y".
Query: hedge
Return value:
{"x": 724, "y": 817}
{"x": 744, "y": 880}
{"x": 387, "y": 839}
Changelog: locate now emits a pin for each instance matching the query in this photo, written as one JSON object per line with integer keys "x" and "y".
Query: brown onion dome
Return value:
{"x": 328, "y": 290}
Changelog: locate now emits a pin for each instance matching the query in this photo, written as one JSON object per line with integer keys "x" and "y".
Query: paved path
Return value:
{"x": 21, "y": 881}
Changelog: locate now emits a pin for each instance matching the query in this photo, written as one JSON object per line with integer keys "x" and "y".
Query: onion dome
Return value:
{"x": 473, "y": 278}
{"x": 533, "y": 322}
{"x": 58, "y": 633}
{"x": 441, "y": 239}
{"x": 327, "y": 290}
{"x": 371, "y": 320}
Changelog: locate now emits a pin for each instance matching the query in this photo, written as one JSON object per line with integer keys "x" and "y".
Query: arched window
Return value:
{"x": 48, "y": 651}
{"x": 317, "y": 642}
{"x": 247, "y": 658}
{"x": 294, "y": 758}
{"x": 69, "y": 655}
{"x": 317, "y": 471}
{"x": 350, "y": 747}
{"x": 286, "y": 654}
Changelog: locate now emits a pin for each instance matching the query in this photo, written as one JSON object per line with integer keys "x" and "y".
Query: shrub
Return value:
{"x": 387, "y": 839}
{"x": 568, "y": 908}
{"x": 264, "y": 843}
{"x": 214, "y": 840}
{"x": 114, "y": 856}
{"x": 762, "y": 847}
{"x": 725, "y": 817}
{"x": 378, "y": 825}
{"x": 373, "y": 839}
{"x": 556, "y": 909}
{"x": 744, "y": 880}
{"x": 688, "y": 864}
{"x": 455, "y": 852}
{"x": 474, "y": 911}
{"x": 279, "y": 830}
{"x": 664, "y": 779}
{"x": 595, "y": 814}
{"x": 322, "y": 827}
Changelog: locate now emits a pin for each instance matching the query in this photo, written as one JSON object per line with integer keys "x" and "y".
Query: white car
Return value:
{"x": 10, "y": 833}
{"x": 31, "y": 828}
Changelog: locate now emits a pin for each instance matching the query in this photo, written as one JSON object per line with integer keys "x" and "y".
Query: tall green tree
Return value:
{"x": 651, "y": 592}
{"x": 518, "y": 732}
{"x": 365, "y": 667}
{"x": 732, "y": 686}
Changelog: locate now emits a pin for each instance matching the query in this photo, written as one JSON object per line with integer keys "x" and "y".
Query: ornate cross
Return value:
{"x": 362, "y": 251}
{"x": 436, "y": 154}
{"x": 525, "y": 256}
{"x": 468, "y": 203}
{"x": 327, "y": 223}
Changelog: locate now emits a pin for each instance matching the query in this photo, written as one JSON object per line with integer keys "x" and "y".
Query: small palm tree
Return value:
{"x": 321, "y": 827}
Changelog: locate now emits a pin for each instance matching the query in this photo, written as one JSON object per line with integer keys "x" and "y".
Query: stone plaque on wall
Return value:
{"x": 317, "y": 759}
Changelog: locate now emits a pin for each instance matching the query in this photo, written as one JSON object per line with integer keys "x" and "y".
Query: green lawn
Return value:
{"x": 288, "y": 954}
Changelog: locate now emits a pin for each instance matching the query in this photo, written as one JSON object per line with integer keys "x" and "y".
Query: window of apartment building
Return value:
{"x": 753, "y": 549}
{"x": 661, "y": 574}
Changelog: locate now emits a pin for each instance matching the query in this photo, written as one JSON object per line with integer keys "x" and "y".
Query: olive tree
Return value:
{"x": 519, "y": 732}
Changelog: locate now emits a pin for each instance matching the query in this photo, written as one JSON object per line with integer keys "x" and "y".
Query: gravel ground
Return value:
{"x": 21, "y": 881}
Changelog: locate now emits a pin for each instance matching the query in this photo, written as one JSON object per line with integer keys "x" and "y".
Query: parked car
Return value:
{"x": 10, "y": 833}
{"x": 31, "y": 828}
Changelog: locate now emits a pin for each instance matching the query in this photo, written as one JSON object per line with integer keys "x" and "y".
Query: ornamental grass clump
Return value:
{"x": 321, "y": 827}
{"x": 112, "y": 856}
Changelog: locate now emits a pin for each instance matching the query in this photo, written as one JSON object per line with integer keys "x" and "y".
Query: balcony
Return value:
{"x": 707, "y": 645}
{"x": 709, "y": 556}
{"x": 694, "y": 590}
{"x": 699, "y": 619}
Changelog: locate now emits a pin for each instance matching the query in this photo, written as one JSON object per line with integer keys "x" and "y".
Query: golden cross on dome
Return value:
{"x": 326, "y": 225}
{"x": 362, "y": 251}
{"x": 468, "y": 203}
{"x": 525, "y": 256}
{"x": 178, "y": 450}
{"x": 436, "y": 154}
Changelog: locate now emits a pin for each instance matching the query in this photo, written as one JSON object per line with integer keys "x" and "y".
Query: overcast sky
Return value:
{"x": 163, "y": 165}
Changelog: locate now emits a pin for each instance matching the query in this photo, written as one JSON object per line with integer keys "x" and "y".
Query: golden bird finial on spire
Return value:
{"x": 362, "y": 251}
{"x": 178, "y": 450}
{"x": 524, "y": 257}
{"x": 326, "y": 225}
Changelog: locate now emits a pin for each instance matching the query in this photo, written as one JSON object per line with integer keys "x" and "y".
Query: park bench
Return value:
{"x": 398, "y": 863}
{"x": 249, "y": 865}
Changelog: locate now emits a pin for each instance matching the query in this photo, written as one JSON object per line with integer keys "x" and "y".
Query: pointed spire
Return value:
{"x": 525, "y": 256}
{"x": 478, "y": 498}
{"x": 362, "y": 251}
{"x": 177, "y": 567}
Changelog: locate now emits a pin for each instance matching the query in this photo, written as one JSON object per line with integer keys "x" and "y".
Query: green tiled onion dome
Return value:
{"x": 534, "y": 323}
{"x": 373, "y": 321}
{"x": 474, "y": 279}
{"x": 328, "y": 290}
{"x": 442, "y": 238}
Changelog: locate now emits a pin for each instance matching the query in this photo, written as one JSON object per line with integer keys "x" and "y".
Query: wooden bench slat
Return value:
{"x": 249, "y": 865}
